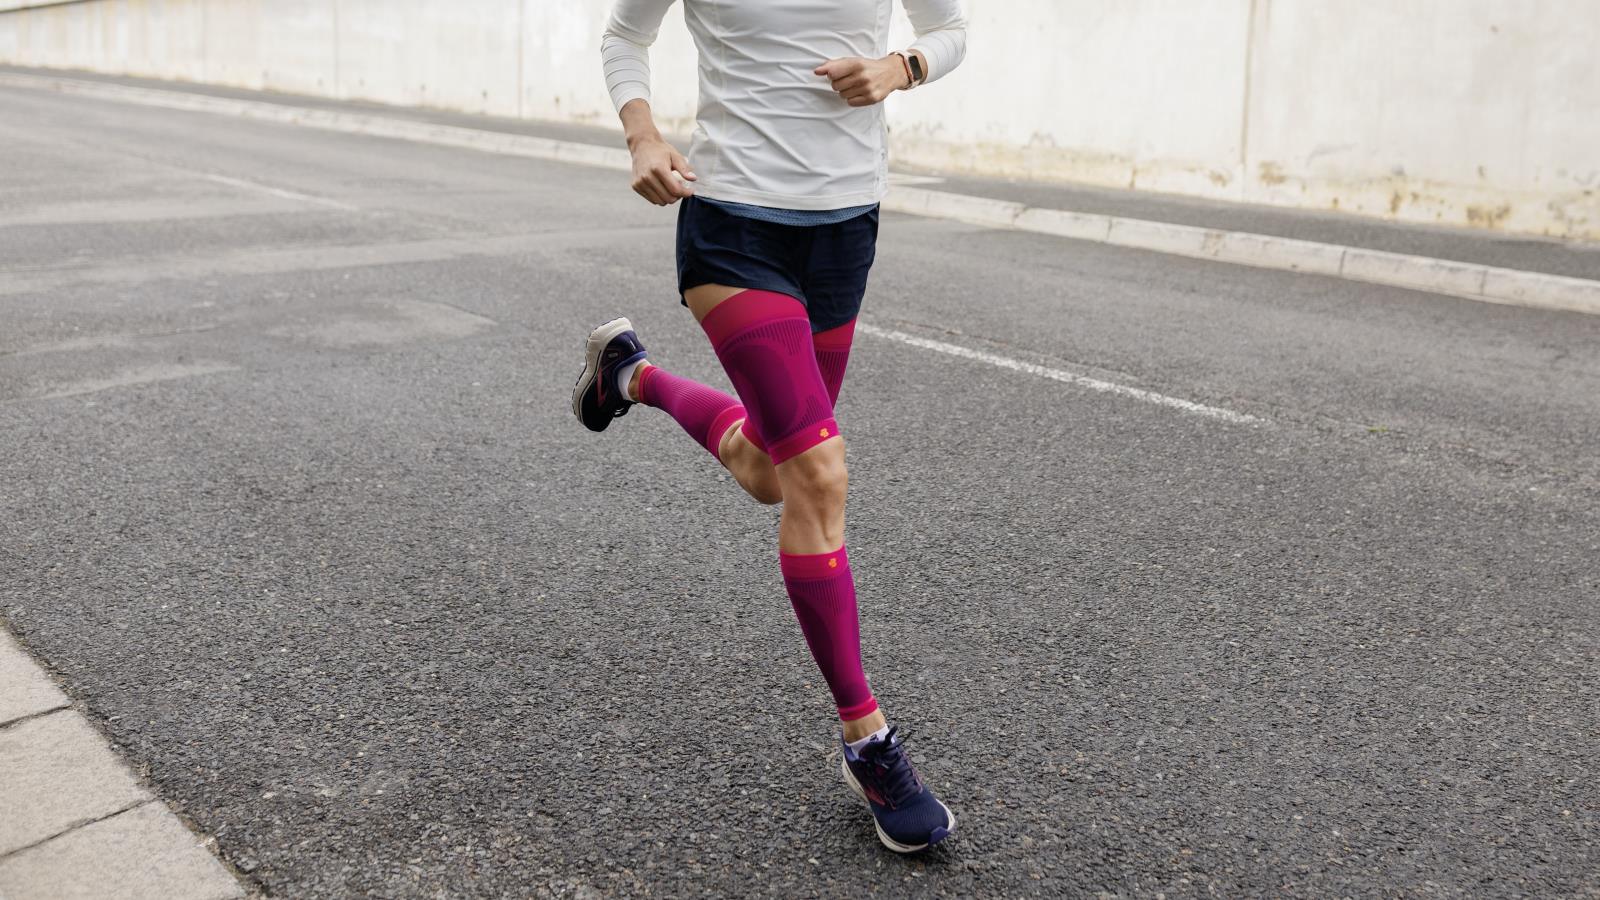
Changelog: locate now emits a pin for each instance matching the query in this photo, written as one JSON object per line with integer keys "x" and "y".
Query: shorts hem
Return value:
{"x": 742, "y": 283}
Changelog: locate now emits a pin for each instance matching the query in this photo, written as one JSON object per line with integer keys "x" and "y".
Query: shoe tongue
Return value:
{"x": 899, "y": 779}
{"x": 882, "y": 753}
{"x": 888, "y": 741}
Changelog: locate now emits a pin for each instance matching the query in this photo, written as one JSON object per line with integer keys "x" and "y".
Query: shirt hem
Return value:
{"x": 805, "y": 202}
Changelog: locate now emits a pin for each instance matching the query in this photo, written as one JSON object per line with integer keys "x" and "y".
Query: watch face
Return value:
{"x": 916, "y": 67}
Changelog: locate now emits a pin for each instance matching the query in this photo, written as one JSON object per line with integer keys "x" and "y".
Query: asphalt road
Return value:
{"x": 294, "y": 503}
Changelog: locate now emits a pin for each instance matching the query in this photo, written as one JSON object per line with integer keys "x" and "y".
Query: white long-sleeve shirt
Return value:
{"x": 769, "y": 132}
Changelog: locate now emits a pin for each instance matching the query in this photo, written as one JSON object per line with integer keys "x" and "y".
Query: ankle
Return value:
{"x": 637, "y": 379}
{"x": 856, "y": 729}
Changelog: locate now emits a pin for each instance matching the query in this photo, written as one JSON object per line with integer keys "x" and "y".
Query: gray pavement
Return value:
{"x": 298, "y": 511}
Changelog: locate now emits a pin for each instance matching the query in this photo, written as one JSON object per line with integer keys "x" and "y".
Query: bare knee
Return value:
{"x": 817, "y": 478}
{"x": 814, "y": 485}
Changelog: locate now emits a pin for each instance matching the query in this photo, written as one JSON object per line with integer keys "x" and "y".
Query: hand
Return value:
{"x": 863, "y": 82}
{"x": 660, "y": 173}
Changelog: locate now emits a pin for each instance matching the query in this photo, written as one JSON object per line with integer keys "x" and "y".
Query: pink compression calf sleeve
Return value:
{"x": 824, "y": 597}
{"x": 764, "y": 342}
{"x": 832, "y": 349}
{"x": 704, "y": 412}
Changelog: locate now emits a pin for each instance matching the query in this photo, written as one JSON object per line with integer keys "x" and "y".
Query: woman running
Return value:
{"x": 777, "y": 231}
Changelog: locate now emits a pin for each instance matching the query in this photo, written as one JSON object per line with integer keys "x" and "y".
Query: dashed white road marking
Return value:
{"x": 278, "y": 192}
{"x": 1083, "y": 381}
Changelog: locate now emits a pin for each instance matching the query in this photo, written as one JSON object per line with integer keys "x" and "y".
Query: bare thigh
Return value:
{"x": 704, "y": 298}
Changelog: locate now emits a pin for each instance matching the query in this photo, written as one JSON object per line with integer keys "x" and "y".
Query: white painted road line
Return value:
{"x": 1083, "y": 381}
{"x": 1471, "y": 281}
{"x": 280, "y": 193}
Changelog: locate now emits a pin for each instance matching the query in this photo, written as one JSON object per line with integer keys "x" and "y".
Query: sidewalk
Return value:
{"x": 1507, "y": 251}
{"x": 1511, "y": 251}
{"x": 74, "y": 821}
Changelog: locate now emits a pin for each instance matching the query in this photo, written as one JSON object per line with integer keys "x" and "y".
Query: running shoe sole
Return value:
{"x": 939, "y": 834}
{"x": 598, "y": 339}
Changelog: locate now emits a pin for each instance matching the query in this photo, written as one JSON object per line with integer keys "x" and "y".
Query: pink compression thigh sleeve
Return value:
{"x": 764, "y": 342}
{"x": 833, "y": 351}
{"x": 824, "y": 597}
{"x": 704, "y": 412}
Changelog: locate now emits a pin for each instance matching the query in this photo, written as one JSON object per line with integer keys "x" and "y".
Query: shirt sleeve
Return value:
{"x": 941, "y": 29}
{"x": 624, "y": 50}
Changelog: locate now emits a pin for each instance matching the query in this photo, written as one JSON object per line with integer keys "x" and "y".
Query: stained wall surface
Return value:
{"x": 1466, "y": 112}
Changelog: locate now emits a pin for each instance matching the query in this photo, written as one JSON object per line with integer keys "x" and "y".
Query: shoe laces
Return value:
{"x": 897, "y": 778}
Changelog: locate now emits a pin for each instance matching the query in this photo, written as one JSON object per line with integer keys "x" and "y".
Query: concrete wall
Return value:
{"x": 1479, "y": 112}
{"x": 1467, "y": 112}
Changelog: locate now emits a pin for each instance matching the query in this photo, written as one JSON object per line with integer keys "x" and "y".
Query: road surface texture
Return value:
{"x": 294, "y": 505}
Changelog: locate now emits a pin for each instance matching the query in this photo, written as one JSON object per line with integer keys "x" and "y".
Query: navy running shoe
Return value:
{"x": 596, "y": 399}
{"x": 909, "y": 817}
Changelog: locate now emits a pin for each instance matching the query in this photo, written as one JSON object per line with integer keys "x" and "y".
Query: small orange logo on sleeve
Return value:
{"x": 833, "y": 562}
{"x": 824, "y": 432}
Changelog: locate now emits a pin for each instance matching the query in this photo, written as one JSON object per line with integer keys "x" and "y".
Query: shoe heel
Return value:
{"x": 850, "y": 779}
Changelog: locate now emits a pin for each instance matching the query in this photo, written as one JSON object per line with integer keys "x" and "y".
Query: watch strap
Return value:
{"x": 906, "y": 61}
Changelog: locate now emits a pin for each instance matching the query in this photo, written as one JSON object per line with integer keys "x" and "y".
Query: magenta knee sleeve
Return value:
{"x": 824, "y": 597}
{"x": 704, "y": 412}
{"x": 764, "y": 342}
{"x": 832, "y": 349}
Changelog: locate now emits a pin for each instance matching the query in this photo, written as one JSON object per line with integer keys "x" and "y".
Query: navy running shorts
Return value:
{"x": 823, "y": 266}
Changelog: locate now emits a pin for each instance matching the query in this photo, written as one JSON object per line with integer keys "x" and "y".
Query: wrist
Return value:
{"x": 902, "y": 65}
{"x": 916, "y": 67}
{"x": 637, "y": 139}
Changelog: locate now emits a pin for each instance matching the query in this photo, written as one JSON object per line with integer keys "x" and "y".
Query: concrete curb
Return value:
{"x": 77, "y": 823}
{"x": 1488, "y": 284}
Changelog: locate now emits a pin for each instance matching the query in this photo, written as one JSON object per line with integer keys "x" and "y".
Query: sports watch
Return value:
{"x": 913, "y": 65}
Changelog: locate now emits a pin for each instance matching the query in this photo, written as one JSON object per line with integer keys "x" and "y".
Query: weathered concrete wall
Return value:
{"x": 1480, "y": 112}
{"x": 1466, "y": 112}
{"x": 1140, "y": 93}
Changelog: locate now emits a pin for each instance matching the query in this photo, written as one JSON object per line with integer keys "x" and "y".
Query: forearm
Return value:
{"x": 941, "y": 29}
{"x": 625, "y": 49}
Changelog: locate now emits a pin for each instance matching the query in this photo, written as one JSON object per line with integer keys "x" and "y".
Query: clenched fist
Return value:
{"x": 863, "y": 82}
{"x": 660, "y": 173}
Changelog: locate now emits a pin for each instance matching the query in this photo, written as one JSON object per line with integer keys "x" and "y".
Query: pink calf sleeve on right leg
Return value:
{"x": 764, "y": 342}
{"x": 704, "y": 412}
{"x": 824, "y": 597}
